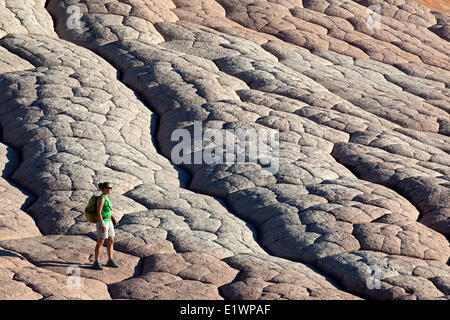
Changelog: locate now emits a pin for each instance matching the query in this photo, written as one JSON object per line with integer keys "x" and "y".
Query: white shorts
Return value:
{"x": 109, "y": 230}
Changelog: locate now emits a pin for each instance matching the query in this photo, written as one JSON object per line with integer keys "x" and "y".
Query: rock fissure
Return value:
{"x": 358, "y": 113}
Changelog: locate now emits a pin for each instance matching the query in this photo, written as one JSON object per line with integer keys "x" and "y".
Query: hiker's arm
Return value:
{"x": 114, "y": 220}
{"x": 100, "y": 203}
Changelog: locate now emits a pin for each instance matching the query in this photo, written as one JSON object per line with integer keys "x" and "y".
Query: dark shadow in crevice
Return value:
{"x": 6, "y": 253}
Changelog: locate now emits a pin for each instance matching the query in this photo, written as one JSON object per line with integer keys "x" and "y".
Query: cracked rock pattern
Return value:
{"x": 348, "y": 199}
{"x": 25, "y": 17}
{"x": 57, "y": 252}
{"x": 14, "y": 221}
{"x": 398, "y": 277}
{"x": 337, "y": 216}
{"x": 22, "y": 280}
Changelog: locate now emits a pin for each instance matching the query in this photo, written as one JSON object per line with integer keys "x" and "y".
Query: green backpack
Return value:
{"x": 91, "y": 210}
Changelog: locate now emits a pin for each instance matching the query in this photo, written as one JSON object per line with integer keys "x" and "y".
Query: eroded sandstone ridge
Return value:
{"x": 356, "y": 91}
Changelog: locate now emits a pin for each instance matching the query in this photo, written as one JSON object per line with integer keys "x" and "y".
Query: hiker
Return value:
{"x": 105, "y": 227}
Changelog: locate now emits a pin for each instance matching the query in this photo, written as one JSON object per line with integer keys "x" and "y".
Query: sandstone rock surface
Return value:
{"x": 346, "y": 197}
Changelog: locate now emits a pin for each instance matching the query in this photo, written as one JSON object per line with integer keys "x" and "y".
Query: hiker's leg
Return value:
{"x": 110, "y": 243}
{"x": 100, "y": 239}
{"x": 97, "y": 248}
{"x": 110, "y": 248}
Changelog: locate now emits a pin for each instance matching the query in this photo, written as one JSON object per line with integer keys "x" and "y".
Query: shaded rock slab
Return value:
{"x": 10, "y": 62}
{"x": 163, "y": 286}
{"x": 57, "y": 253}
{"x": 14, "y": 222}
{"x": 431, "y": 197}
{"x": 25, "y": 17}
{"x": 423, "y": 181}
{"x": 188, "y": 275}
{"x": 190, "y": 221}
{"x": 191, "y": 265}
{"x": 334, "y": 217}
{"x": 396, "y": 235}
{"x": 277, "y": 279}
{"x": 22, "y": 280}
{"x": 381, "y": 276}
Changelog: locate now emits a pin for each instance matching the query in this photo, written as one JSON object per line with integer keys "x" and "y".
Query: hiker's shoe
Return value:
{"x": 112, "y": 264}
{"x": 97, "y": 266}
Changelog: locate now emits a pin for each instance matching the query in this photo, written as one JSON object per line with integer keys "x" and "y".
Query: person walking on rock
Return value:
{"x": 105, "y": 227}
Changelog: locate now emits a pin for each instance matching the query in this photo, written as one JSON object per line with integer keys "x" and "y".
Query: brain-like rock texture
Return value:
{"x": 269, "y": 149}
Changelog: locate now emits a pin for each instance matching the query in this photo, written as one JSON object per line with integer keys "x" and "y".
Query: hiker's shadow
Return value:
{"x": 64, "y": 264}
{"x": 6, "y": 253}
{"x": 49, "y": 263}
